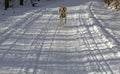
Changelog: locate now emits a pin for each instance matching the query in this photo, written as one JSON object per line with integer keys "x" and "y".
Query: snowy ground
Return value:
{"x": 33, "y": 42}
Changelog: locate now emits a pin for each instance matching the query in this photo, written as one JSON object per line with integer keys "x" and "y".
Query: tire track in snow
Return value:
{"x": 26, "y": 26}
{"x": 113, "y": 45}
{"x": 16, "y": 27}
{"x": 81, "y": 68}
{"x": 85, "y": 37}
{"x": 87, "y": 43}
{"x": 97, "y": 47}
{"x": 35, "y": 45}
{"x": 93, "y": 54}
{"x": 101, "y": 25}
{"x": 51, "y": 44}
{"x": 38, "y": 47}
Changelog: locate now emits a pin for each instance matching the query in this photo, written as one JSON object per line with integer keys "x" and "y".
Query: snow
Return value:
{"x": 33, "y": 42}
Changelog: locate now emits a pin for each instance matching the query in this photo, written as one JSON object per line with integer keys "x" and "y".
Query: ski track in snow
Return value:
{"x": 37, "y": 44}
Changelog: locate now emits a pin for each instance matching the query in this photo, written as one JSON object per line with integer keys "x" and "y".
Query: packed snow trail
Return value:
{"x": 37, "y": 44}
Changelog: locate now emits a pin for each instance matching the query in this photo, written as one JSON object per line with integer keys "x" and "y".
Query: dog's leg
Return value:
{"x": 65, "y": 20}
{"x": 61, "y": 21}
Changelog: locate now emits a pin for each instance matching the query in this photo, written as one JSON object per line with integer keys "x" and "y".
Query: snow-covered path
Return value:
{"x": 36, "y": 44}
